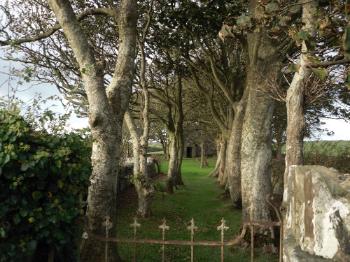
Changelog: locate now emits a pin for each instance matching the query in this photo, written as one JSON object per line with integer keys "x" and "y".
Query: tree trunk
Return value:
{"x": 173, "y": 162}
{"x": 176, "y": 141}
{"x": 279, "y": 144}
{"x": 256, "y": 150}
{"x": 142, "y": 183}
{"x": 295, "y": 95}
{"x": 295, "y": 103}
{"x": 164, "y": 147}
{"x": 106, "y": 113}
{"x": 223, "y": 151}
{"x": 233, "y": 163}
{"x": 145, "y": 189}
{"x": 178, "y": 179}
{"x": 102, "y": 196}
{"x": 179, "y": 133}
{"x": 215, "y": 172}
{"x": 204, "y": 161}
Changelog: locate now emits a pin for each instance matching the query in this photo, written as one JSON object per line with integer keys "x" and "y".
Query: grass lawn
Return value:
{"x": 199, "y": 199}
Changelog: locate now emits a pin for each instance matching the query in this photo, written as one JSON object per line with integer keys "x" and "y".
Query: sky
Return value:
{"x": 340, "y": 127}
{"x": 28, "y": 91}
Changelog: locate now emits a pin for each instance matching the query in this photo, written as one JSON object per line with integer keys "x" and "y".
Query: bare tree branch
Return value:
{"x": 57, "y": 26}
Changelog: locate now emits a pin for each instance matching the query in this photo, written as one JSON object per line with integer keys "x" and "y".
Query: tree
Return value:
{"x": 107, "y": 105}
{"x": 258, "y": 28}
{"x": 219, "y": 112}
{"x": 167, "y": 91}
{"x": 199, "y": 129}
{"x": 221, "y": 66}
{"x": 229, "y": 172}
{"x": 295, "y": 93}
{"x": 142, "y": 183}
{"x": 159, "y": 134}
{"x": 106, "y": 112}
{"x": 166, "y": 78}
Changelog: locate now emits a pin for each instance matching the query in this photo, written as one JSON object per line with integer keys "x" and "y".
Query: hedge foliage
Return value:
{"x": 43, "y": 179}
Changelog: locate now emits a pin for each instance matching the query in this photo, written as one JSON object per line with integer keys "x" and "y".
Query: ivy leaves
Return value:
{"x": 43, "y": 178}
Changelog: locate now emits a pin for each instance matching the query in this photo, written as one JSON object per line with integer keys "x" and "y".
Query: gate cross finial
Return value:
{"x": 164, "y": 226}
{"x": 135, "y": 225}
{"x": 222, "y": 227}
{"x": 192, "y": 227}
{"x": 107, "y": 223}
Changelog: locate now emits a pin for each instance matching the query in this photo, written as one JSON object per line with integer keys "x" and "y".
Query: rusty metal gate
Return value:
{"x": 250, "y": 226}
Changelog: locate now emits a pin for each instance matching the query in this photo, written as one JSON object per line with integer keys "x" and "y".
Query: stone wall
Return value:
{"x": 317, "y": 215}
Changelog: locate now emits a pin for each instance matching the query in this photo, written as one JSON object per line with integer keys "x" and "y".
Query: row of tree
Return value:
{"x": 159, "y": 61}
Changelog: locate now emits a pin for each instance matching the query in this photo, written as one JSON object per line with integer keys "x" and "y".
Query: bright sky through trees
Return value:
{"x": 27, "y": 91}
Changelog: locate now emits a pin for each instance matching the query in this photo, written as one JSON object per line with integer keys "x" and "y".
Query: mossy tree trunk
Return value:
{"x": 256, "y": 150}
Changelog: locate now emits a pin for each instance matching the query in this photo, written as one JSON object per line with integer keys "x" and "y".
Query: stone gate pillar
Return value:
{"x": 317, "y": 215}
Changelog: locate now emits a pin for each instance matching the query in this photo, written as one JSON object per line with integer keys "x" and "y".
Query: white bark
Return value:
{"x": 223, "y": 150}
{"x": 295, "y": 105}
{"x": 295, "y": 94}
{"x": 176, "y": 141}
{"x": 204, "y": 161}
{"x": 130, "y": 123}
{"x": 233, "y": 163}
{"x": 215, "y": 172}
{"x": 141, "y": 180}
{"x": 106, "y": 112}
{"x": 173, "y": 162}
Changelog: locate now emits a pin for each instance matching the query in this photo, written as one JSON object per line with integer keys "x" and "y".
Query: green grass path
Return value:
{"x": 199, "y": 199}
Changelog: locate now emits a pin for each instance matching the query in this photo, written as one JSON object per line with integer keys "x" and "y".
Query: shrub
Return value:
{"x": 43, "y": 179}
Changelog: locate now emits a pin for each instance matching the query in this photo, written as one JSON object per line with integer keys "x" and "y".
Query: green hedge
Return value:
{"x": 43, "y": 179}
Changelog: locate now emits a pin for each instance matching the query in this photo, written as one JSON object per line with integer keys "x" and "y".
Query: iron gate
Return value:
{"x": 222, "y": 227}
